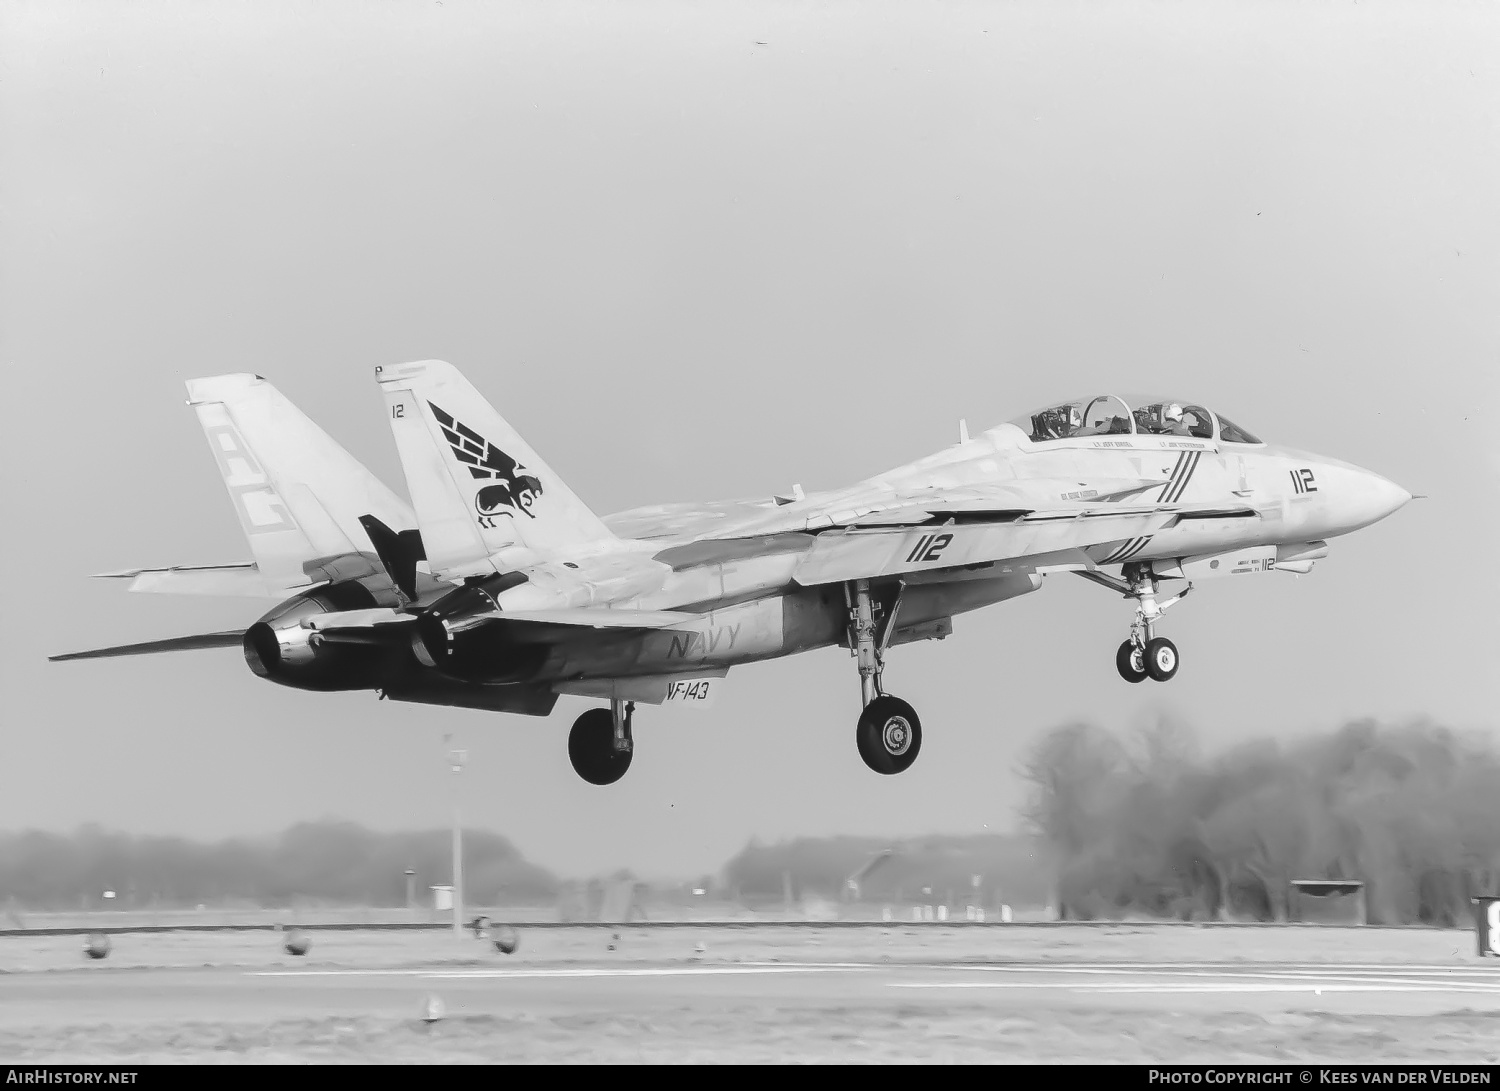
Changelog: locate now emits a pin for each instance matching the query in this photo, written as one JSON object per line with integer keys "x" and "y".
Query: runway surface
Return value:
{"x": 185, "y": 995}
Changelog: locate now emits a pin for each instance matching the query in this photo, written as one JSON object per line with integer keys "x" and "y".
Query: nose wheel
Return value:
{"x": 1157, "y": 660}
{"x": 1161, "y": 659}
{"x": 1130, "y": 661}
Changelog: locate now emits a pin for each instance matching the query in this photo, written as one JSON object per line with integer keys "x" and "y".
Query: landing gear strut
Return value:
{"x": 600, "y": 744}
{"x": 1144, "y": 655}
{"x": 889, "y": 734}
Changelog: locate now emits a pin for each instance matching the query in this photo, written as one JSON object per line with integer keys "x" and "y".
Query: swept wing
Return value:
{"x": 868, "y": 532}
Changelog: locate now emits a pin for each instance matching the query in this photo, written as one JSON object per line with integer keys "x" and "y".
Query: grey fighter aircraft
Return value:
{"x": 500, "y": 589}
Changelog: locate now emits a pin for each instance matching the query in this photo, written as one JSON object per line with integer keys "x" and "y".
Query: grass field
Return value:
{"x": 877, "y": 1031}
{"x": 809, "y": 943}
{"x": 953, "y": 1035}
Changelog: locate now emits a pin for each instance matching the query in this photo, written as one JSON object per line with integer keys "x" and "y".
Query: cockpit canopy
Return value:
{"x": 1110, "y": 415}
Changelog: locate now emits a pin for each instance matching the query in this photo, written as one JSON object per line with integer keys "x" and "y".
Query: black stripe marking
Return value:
{"x": 1161, "y": 497}
{"x": 1124, "y": 551}
{"x": 1182, "y": 485}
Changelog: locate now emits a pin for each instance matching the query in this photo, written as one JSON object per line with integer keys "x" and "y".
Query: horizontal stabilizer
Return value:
{"x": 239, "y": 580}
{"x": 127, "y": 573}
{"x": 230, "y": 639}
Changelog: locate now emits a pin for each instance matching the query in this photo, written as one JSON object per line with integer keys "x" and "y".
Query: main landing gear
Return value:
{"x": 600, "y": 744}
{"x": 889, "y": 735}
{"x": 1144, "y": 655}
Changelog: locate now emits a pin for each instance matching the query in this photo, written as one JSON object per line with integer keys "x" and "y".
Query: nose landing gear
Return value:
{"x": 889, "y": 734}
{"x": 1144, "y": 655}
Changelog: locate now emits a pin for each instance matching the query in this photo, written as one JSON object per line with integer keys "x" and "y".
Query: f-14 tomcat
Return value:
{"x": 499, "y": 589}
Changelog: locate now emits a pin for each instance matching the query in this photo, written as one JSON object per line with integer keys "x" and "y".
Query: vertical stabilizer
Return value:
{"x": 478, "y": 488}
{"x": 299, "y": 495}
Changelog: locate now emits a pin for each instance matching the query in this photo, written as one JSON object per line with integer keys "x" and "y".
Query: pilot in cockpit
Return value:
{"x": 1057, "y": 423}
{"x": 1163, "y": 419}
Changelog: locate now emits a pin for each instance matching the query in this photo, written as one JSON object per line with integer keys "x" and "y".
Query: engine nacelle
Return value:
{"x": 280, "y": 649}
{"x": 464, "y": 636}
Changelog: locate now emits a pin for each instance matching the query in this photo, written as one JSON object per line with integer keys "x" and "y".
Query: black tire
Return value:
{"x": 1161, "y": 659}
{"x": 889, "y": 735}
{"x": 591, "y": 748}
{"x": 1130, "y": 662}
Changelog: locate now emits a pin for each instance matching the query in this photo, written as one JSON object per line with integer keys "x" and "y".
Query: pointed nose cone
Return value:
{"x": 1388, "y": 497}
{"x": 1378, "y": 498}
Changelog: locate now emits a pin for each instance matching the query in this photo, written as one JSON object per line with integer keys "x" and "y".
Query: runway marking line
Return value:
{"x": 566, "y": 972}
{"x": 1397, "y": 976}
{"x": 1162, "y": 978}
{"x": 1183, "y": 979}
{"x": 1132, "y": 967}
{"x": 1168, "y": 987}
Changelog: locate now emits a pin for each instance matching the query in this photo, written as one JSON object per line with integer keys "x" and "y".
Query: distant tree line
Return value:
{"x": 1146, "y": 825}
{"x": 1119, "y": 826}
{"x": 330, "y": 862}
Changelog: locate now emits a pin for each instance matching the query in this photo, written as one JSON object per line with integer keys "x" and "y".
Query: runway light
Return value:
{"x": 506, "y": 939}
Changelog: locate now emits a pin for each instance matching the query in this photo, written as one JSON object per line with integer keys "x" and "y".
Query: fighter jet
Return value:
{"x": 501, "y": 589}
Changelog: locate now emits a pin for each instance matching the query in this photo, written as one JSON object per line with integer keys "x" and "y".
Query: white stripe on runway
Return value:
{"x": 561, "y": 972}
{"x": 662, "y": 971}
{"x": 1167, "y": 987}
{"x": 1131, "y": 967}
{"x": 1394, "y": 976}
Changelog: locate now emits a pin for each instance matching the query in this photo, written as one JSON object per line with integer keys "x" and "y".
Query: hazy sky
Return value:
{"x": 687, "y": 265}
